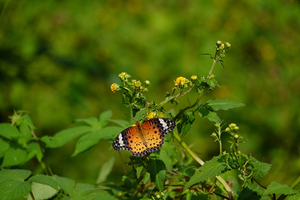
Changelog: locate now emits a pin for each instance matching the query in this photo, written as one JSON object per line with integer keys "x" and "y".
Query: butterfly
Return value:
{"x": 144, "y": 138}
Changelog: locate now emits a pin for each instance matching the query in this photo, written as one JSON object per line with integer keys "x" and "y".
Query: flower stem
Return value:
{"x": 201, "y": 162}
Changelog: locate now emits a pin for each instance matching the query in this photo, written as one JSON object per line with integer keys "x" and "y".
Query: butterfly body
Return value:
{"x": 144, "y": 138}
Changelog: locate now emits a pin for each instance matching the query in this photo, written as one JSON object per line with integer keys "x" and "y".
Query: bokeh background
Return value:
{"x": 59, "y": 58}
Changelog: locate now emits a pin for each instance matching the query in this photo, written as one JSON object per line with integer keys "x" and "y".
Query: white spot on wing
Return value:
{"x": 121, "y": 140}
{"x": 163, "y": 123}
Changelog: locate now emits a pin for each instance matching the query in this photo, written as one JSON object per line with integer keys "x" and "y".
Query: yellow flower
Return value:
{"x": 114, "y": 87}
{"x": 151, "y": 115}
{"x": 180, "y": 80}
{"x": 124, "y": 75}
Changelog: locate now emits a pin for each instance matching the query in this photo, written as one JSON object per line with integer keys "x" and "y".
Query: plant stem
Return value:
{"x": 201, "y": 162}
{"x": 191, "y": 106}
{"x": 46, "y": 165}
{"x": 183, "y": 144}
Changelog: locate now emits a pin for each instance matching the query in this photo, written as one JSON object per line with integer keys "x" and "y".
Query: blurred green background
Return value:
{"x": 59, "y": 58}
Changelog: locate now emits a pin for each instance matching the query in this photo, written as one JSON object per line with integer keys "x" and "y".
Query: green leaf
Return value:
{"x": 294, "y": 197}
{"x": 277, "y": 188}
{"x": 62, "y": 137}
{"x": 248, "y": 194}
{"x": 104, "y": 118}
{"x": 105, "y": 170}
{"x": 211, "y": 168}
{"x": 185, "y": 122}
{"x": 4, "y": 146}
{"x": 91, "y": 139}
{"x": 223, "y": 104}
{"x": 120, "y": 122}
{"x": 93, "y": 121}
{"x": 13, "y": 157}
{"x": 41, "y": 191}
{"x": 146, "y": 177}
{"x": 12, "y": 185}
{"x": 170, "y": 148}
{"x": 27, "y": 120}
{"x": 8, "y": 131}
{"x": 66, "y": 184}
{"x": 82, "y": 190}
{"x": 46, "y": 180}
{"x": 212, "y": 83}
{"x": 13, "y": 189}
{"x": 157, "y": 170}
{"x": 205, "y": 112}
{"x": 164, "y": 156}
{"x": 25, "y": 135}
{"x": 98, "y": 194}
{"x": 260, "y": 169}
{"x": 34, "y": 149}
{"x": 139, "y": 170}
{"x": 14, "y": 174}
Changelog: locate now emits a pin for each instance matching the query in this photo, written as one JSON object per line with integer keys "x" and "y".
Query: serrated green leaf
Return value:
{"x": 146, "y": 178}
{"x": 13, "y": 157}
{"x": 185, "y": 122}
{"x": 91, "y": 139}
{"x": 41, "y": 191}
{"x": 211, "y": 116}
{"x": 164, "y": 156}
{"x": 13, "y": 189}
{"x": 211, "y": 168}
{"x": 139, "y": 170}
{"x": 157, "y": 170}
{"x": 82, "y": 190}
{"x": 14, "y": 174}
{"x": 66, "y": 184}
{"x": 99, "y": 194}
{"x": 62, "y": 137}
{"x": 4, "y": 146}
{"x": 277, "y": 188}
{"x": 248, "y": 194}
{"x": 8, "y": 131}
{"x": 260, "y": 169}
{"x": 25, "y": 134}
{"x": 34, "y": 149}
{"x": 93, "y": 121}
{"x": 104, "y": 118}
{"x": 105, "y": 170}
{"x": 170, "y": 148}
{"x": 294, "y": 197}
{"x": 46, "y": 180}
{"x": 223, "y": 104}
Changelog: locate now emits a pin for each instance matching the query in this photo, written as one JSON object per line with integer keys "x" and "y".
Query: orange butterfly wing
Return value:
{"x": 144, "y": 138}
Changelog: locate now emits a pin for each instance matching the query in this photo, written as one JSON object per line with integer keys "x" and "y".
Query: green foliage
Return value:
{"x": 172, "y": 172}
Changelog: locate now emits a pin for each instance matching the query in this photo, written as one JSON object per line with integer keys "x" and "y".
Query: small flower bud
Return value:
{"x": 232, "y": 125}
{"x": 147, "y": 82}
{"x": 137, "y": 84}
{"x": 114, "y": 87}
{"x": 236, "y": 136}
{"x": 194, "y": 78}
{"x": 227, "y": 45}
{"x": 236, "y": 128}
{"x": 124, "y": 75}
{"x": 227, "y": 129}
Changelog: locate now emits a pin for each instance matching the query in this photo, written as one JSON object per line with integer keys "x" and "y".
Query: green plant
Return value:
{"x": 169, "y": 173}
